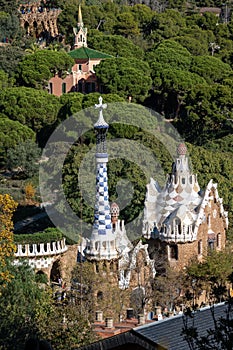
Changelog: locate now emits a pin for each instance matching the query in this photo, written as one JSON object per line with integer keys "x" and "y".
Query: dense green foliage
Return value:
{"x": 115, "y": 45}
{"x": 9, "y": 26}
{"x": 125, "y": 77}
{"x": 12, "y": 133}
{"x": 29, "y": 312}
{"x": 10, "y": 56}
{"x": 30, "y": 107}
{"x": 37, "y": 68}
{"x": 5, "y": 80}
{"x": 212, "y": 276}
{"x": 24, "y": 157}
{"x": 177, "y": 62}
{"x": 166, "y": 56}
{"x": 24, "y": 307}
{"x": 47, "y": 236}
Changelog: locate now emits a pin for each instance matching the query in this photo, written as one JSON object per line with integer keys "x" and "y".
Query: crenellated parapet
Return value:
{"x": 41, "y": 250}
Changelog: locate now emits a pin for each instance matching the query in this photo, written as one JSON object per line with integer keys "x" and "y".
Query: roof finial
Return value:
{"x": 101, "y": 123}
{"x": 80, "y": 18}
{"x": 181, "y": 149}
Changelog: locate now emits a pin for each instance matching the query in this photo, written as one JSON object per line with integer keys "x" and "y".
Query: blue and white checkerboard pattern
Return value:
{"x": 102, "y": 219}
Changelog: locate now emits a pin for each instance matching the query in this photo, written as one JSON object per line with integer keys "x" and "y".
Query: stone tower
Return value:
{"x": 80, "y": 32}
{"x": 117, "y": 264}
{"x": 104, "y": 243}
{"x": 182, "y": 220}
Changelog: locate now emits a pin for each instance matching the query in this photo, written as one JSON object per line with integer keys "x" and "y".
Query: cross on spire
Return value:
{"x": 101, "y": 123}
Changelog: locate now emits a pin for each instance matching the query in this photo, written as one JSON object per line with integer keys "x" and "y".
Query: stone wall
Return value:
{"x": 36, "y": 19}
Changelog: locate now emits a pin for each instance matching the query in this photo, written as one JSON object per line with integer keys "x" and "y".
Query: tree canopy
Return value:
{"x": 36, "y": 69}
{"x": 7, "y": 247}
{"x": 125, "y": 77}
{"x": 12, "y": 133}
{"x": 24, "y": 157}
{"x": 115, "y": 45}
{"x": 32, "y": 108}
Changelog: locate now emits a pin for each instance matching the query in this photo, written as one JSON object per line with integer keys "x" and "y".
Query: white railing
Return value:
{"x": 41, "y": 249}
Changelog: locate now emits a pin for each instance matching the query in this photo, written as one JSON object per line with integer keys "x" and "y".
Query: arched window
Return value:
{"x": 111, "y": 266}
{"x": 177, "y": 227}
{"x": 97, "y": 268}
{"x": 99, "y": 296}
{"x": 55, "y": 273}
{"x": 199, "y": 247}
{"x": 173, "y": 251}
{"x": 208, "y": 220}
{"x": 211, "y": 243}
{"x": 105, "y": 266}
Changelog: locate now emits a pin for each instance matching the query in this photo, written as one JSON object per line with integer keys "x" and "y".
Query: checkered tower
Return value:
{"x": 102, "y": 244}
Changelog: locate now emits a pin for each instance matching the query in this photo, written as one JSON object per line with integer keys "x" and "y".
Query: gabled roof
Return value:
{"x": 85, "y": 52}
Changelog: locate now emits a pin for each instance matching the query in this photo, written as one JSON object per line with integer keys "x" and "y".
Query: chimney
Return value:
{"x": 141, "y": 319}
{"x": 158, "y": 310}
{"x": 99, "y": 316}
{"x": 109, "y": 322}
{"x": 129, "y": 314}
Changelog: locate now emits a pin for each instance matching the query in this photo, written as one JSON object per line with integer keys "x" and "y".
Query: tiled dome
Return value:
{"x": 114, "y": 209}
{"x": 181, "y": 149}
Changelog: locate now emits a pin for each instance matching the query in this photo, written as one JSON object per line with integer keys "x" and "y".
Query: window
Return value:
{"x": 99, "y": 296}
{"x": 111, "y": 266}
{"x": 89, "y": 87}
{"x": 174, "y": 251}
{"x": 80, "y": 86}
{"x": 178, "y": 226}
{"x": 63, "y": 88}
{"x": 208, "y": 220}
{"x": 50, "y": 88}
{"x": 211, "y": 244}
{"x": 79, "y": 67}
{"x": 219, "y": 240}
{"x": 183, "y": 180}
{"x": 199, "y": 247}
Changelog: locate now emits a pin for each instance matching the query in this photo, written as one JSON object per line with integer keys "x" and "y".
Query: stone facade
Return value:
{"x": 181, "y": 220}
{"x": 38, "y": 20}
{"x": 54, "y": 259}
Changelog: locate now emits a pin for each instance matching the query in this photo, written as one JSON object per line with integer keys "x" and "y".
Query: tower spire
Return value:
{"x": 102, "y": 243}
{"x": 80, "y": 18}
{"x": 80, "y": 32}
